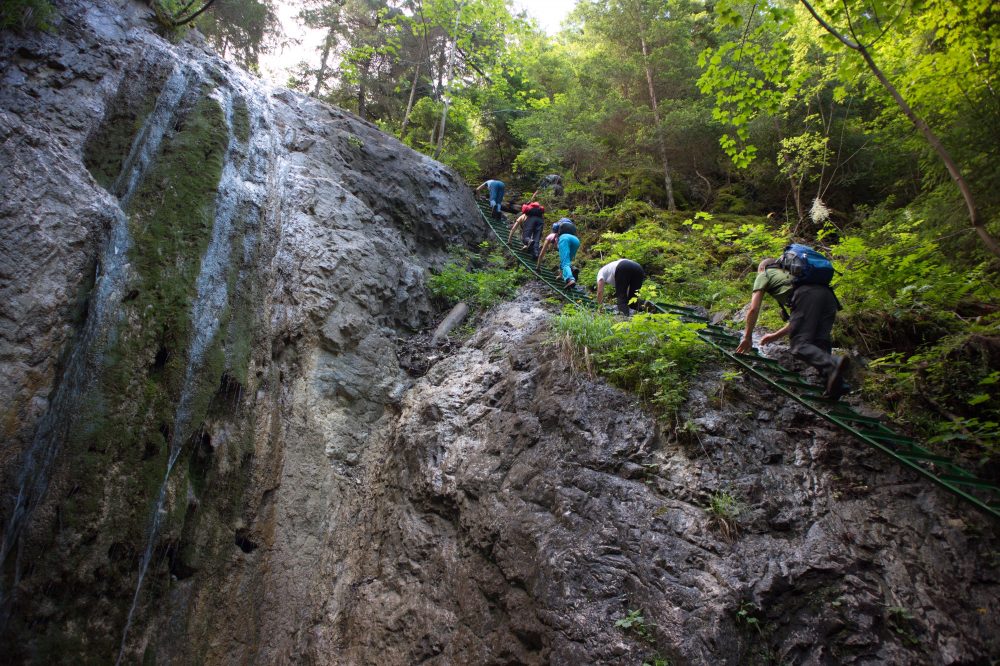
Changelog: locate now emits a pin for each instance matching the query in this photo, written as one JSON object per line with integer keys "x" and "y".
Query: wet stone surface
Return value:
{"x": 519, "y": 510}
{"x": 344, "y": 493}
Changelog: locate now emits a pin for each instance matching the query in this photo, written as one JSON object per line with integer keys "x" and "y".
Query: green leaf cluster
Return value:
{"x": 480, "y": 280}
{"x": 652, "y": 355}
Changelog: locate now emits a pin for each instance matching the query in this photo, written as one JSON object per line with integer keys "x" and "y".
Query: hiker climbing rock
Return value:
{"x": 626, "y": 276}
{"x": 531, "y": 220}
{"x": 553, "y": 181}
{"x": 564, "y": 237}
{"x": 813, "y": 308}
{"x": 495, "y": 189}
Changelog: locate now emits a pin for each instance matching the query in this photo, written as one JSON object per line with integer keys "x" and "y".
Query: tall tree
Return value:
{"x": 857, "y": 19}
{"x": 240, "y": 29}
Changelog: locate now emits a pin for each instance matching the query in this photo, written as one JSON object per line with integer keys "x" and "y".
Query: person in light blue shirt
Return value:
{"x": 495, "y": 188}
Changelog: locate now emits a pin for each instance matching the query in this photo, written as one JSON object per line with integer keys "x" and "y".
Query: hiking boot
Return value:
{"x": 835, "y": 386}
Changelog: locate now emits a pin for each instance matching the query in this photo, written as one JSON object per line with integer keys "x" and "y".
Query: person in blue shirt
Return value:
{"x": 495, "y": 188}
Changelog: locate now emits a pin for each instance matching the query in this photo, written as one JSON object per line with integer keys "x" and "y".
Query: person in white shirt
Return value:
{"x": 626, "y": 276}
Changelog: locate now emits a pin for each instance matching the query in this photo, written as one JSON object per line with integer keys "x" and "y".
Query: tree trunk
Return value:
{"x": 362, "y": 111}
{"x": 409, "y": 103}
{"x": 451, "y": 69}
{"x": 323, "y": 63}
{"x": 667, "y": 183}
{"x": 963, "y": 187}
{"x": 439, "y": 88}
{"x": 797, "y": 196}
{"x": 424, "y": 48}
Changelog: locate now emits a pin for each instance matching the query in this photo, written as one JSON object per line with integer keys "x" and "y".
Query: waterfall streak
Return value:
{"x": 85, "y": 357}
{"x": 236, "y": 190}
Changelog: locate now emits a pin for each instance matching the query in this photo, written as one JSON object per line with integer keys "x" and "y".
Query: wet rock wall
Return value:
{"x": 190, "y": 257}
{"x": 212, "y": 455}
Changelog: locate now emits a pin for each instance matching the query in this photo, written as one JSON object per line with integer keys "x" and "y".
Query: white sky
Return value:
{"x": 548, "y": 13}
{"x": 275, "y": 66}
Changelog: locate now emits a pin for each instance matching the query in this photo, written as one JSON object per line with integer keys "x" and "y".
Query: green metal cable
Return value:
{"x": 874, "y": 432}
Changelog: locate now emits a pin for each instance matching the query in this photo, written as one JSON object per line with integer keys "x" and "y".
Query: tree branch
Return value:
{"x": 956, "y": 175}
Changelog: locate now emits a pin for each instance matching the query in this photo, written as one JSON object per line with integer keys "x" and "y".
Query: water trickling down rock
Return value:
{"x": 212, "y": 455}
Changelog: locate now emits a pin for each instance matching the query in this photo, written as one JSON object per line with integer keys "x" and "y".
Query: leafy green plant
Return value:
{"x": 635, "y": 623}
{"x": 728, "y": 376}
{"x": 725, "y": 510}
{"x": 652, "y": 355}
{"x": 746, "y": 616}
{"x": 952, "y": 377}
{"x": 902, "y": 623}
{"x": 481, "y": 280}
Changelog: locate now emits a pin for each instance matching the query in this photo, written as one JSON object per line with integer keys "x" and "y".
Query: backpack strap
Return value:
{"x": 784, "y": 313}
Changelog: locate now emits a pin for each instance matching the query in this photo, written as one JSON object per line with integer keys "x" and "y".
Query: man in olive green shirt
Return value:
{"x": 813, "y": 311}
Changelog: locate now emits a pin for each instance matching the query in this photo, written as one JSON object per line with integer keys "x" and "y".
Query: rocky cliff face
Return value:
{"x": 212, "y": 455}
{"x": 520, "y": 512}
{"x": 203, "y": 282}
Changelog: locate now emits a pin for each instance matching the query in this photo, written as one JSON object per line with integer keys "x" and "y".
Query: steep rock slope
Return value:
{"x": 203, "y": 282}
{"x": 212, "y": 455}
{"x": 519, "y": 509}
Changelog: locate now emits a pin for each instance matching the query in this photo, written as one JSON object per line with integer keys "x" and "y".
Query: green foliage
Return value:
{"x": 746, "y": 616}
{"x": 459, "y": 144}
{"x": 725, "y": 510}
{"x": 652, "y": 355}
{"x": 698, "y": 260}
{"x": 902, "y": 623}
{"x": 898, "y": 269}
{"x": 26, "y": 15}
{"x": 953, "y": 376}
{"x": 587, "y": 329}
{"x": 481, "y": 281}
{"x": 241, "y": 29}
{"x": 748, "y": 74}
{"x": 635, "y": 623}
{"x": 725, "y": 505}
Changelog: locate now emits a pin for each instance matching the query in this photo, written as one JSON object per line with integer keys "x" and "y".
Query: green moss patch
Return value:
{"x": 107, "y": 148}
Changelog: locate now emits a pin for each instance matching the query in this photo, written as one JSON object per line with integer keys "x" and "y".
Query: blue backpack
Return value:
{"x": 806, "y": 265}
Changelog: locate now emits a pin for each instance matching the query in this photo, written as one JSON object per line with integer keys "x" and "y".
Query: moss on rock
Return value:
{"x": 108, "y": 146}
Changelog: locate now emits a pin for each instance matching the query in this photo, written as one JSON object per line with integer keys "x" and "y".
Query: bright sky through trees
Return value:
{"x": 548, "y": 13}
{"x": 301, "y": 43}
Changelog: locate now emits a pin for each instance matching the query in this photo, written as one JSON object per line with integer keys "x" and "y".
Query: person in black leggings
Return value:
{"x": 625, "y": 276}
